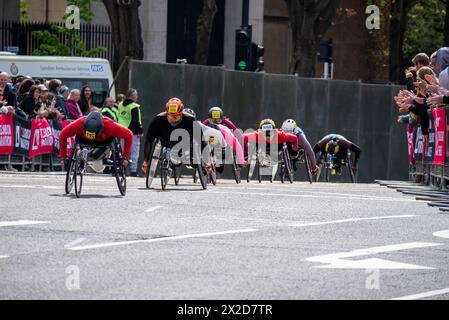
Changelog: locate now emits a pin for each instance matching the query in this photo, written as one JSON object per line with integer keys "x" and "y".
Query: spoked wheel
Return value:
{"x": 308, "y": 167}
{"x": 165, "y": 169}
{"x": 80, "y": 165}
{"x": 259, "y": 173}
{"x": 70, "y": 176}
{"x": 288, "y": 165}
{"x": 202, "y": 176}
{"x": 236, "y": 171}
{"x": 119, "y": 168}
{"x": 151, "y": 172}
{"x": 351, "y": 173}
{"x": 177, "y": 174}
{"x": 282, "y": 173}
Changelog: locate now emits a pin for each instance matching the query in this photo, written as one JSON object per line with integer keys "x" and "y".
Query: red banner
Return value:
{"x": 411, "y": 143}
{"x": 70, "y": 141}
{"x": 6, "y": 134}
{"x": 439, "y": 121}
{"x": 41, "y": 140}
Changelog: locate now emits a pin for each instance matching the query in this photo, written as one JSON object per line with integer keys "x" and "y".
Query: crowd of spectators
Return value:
{"x": 51, "y": 99}
{"x": 427, "y": 84}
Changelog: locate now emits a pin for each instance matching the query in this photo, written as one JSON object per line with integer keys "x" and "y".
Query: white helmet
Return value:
{"x": 289, "y": 126}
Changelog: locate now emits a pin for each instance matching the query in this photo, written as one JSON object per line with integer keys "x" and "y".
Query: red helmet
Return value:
{"x": 174, "y": 107}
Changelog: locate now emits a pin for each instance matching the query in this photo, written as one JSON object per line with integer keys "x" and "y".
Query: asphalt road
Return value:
{"x": 251, "y": 241}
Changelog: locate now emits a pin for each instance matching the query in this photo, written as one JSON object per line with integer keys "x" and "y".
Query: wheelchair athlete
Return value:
{"x": 95, "y": 129}
{"x": 268, "y": 135}
{"x": 290, "y": 126}
{"x": 338, "y": 146}
{"x": 174, "y": 120}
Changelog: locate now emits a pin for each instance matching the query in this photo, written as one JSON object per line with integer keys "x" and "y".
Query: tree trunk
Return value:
{"x": 126, "y": 36}
{"x": 309, "y": 20}
{"x": 446, "y": 25}
{"x": 204, "y": 30}
{"x": 398, "y": 26}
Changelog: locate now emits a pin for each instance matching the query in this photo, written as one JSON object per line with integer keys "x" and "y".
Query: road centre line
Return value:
{"x": 423, "y": 295}
{"x": 316, "y": 192}
{"x": 187, "y": 236}
{"x": 20, "y": 223}
{"x": 74, "y": 243}
{"x": 154, "y": 208}
{"x": 350, "y": 220}
{"x": 312, "y": 196}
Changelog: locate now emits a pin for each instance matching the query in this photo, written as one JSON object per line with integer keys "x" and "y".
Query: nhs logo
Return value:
{"x": 96, "y": 68}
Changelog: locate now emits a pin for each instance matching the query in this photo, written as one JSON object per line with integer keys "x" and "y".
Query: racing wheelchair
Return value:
{"x": 329, "y": 165}
{"x": 169, "y": 163}
{"x": 83, "y": 154}
{"x": 263, "y": 160}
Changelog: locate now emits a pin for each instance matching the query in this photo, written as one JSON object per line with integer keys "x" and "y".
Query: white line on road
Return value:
{"x": 154, "y": 208}
{"x": 349, "y": 220}
{"x": 339, "y": 260}
{"x": 20, "y": 223}
{"x": 442, "y": 234}
{"x": 3, "y": 257}
{"x": 329, "y": 196}
{"x": 187, "y": 236}
{"x": 74, "y": 243}
{"x": 423, "y": 295}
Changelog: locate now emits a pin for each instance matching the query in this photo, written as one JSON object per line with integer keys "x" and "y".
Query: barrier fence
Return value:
{"x": 30, "y": 144}
{"x": 429, "y": 155}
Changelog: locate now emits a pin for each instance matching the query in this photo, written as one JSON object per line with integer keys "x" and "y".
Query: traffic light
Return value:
{"x": 257, "y": 52}
{"x": 243, "y": 48}
{"x": 325, "y": 51}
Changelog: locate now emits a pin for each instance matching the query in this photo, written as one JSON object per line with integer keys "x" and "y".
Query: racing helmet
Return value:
{"x": 267, "y": 126}
{"x": 332, "y": 147}
{"x": 93, "y": 124}
{"x": 191, "y": 112}
{"x": 174, "y": 107}
{"x": 216, "y": 114}
{"x": 289, "y": 126}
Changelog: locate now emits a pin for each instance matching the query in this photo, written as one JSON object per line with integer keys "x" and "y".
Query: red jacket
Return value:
{"x": 278, "y": 138}
{"x": 110, "y": 129}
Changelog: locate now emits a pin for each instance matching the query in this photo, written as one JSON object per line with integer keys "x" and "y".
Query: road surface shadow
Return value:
{"x": 86, "y": 196}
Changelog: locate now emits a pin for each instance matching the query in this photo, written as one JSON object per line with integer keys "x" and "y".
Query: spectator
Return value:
{"x": 31, "y": 103}
{"x": 421, "y": 60}
{"x": 55, "y": 87}
{"x": 120, "y": 98}
{"x": 110, "y": 109}
{"x": 24, "y": 89}
{"x": 64, "y": 92}
{"x": 73, "y": 108}
{"x": 85, "y": 102}
{"x": 442, "y": 67}
{"x": 129, "y": 116}
{"x": 9, "y": 93}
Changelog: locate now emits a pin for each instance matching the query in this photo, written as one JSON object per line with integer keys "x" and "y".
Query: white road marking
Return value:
{"x": 187, "y": 236}
{"x": 20, "y": 223}
{"x": 3, "y": 257}
{"x": 74, "y": 243}
{"x": 328, "y": 196}
{"x": 423, "y": 295}
{"x": 339, "y": 260}
{"x": 442, "y": 234}
{"x": 154, "y": 208}
{"x": 349, "y": 220}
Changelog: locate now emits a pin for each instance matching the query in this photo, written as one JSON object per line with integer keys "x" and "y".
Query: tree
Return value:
{"x": 126, "y": 35}
{"x": 309, "y": 20}
{"x": 61, "y": 41}
{"x": 399, "y": 10}
{"x": 204, "y": 30}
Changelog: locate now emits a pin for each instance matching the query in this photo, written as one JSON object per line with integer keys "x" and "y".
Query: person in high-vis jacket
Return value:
{"x": 129, "y": 115}
{"x": 110, "y": 109}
